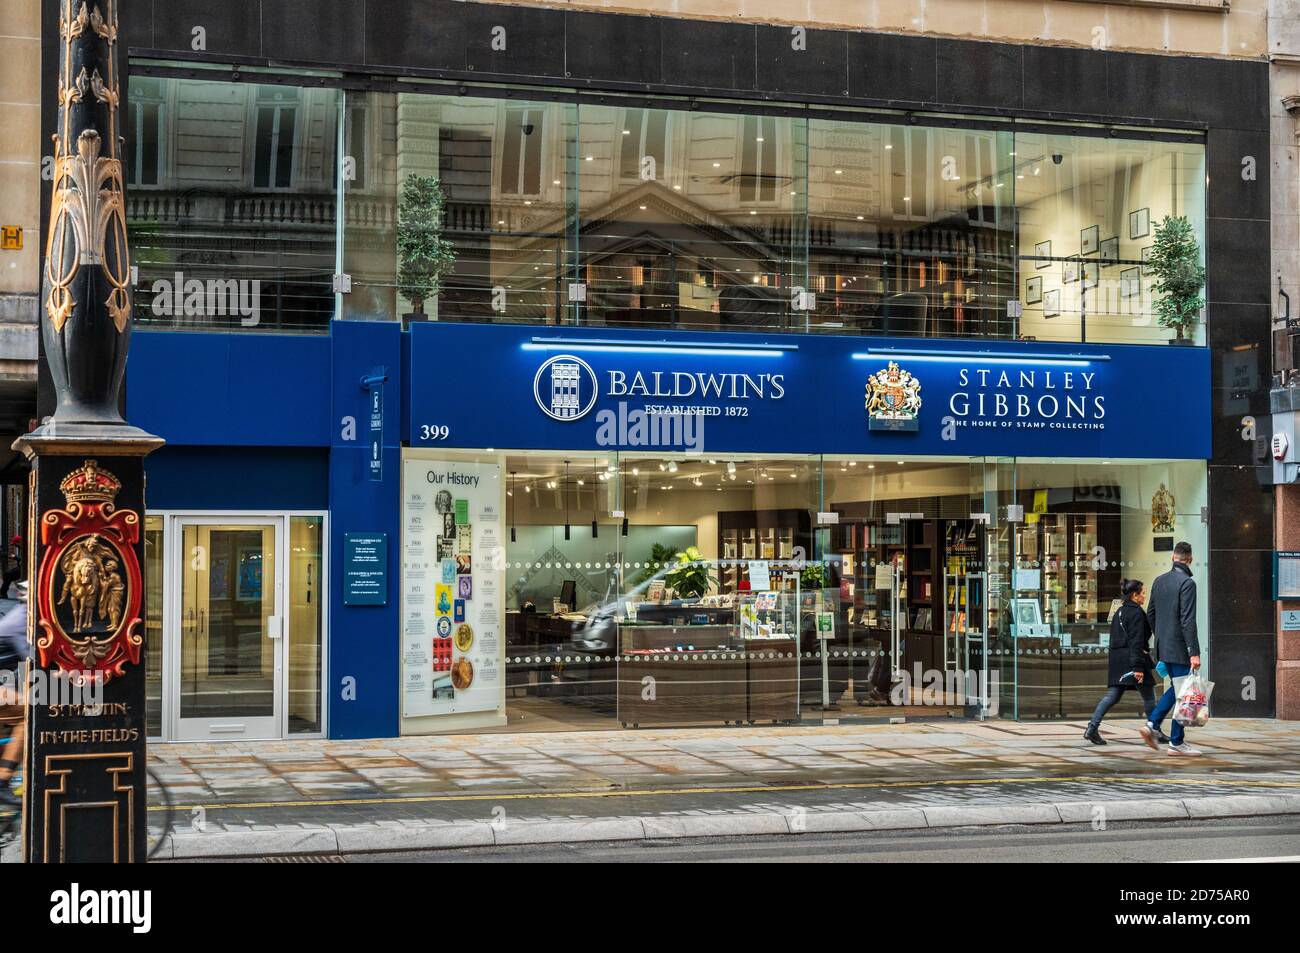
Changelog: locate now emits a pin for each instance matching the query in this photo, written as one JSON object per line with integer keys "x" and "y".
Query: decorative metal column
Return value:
{"x": 84, "y": 778}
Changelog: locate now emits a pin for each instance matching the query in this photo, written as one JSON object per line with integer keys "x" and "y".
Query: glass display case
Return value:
{"x": 768, "y": 614}
{"x": 729, "y": 657}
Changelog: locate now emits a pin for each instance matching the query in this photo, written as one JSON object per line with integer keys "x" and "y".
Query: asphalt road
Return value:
{"x": 1272, "y": 838}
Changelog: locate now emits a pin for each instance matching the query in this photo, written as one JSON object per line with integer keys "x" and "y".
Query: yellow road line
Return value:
{"x": 757, "y": 789}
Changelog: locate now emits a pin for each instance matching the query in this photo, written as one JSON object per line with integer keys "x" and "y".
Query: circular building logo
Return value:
{"x": 565, "y": 387}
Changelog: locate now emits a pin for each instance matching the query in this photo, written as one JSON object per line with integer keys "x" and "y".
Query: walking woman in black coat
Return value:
{"x": 1131, "y": 665}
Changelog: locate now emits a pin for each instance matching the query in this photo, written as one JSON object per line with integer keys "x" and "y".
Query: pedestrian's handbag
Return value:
{"x": 1192, "y": 705}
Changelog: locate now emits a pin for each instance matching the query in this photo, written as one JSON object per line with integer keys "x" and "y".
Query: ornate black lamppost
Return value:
{"x": 84, "y": 797}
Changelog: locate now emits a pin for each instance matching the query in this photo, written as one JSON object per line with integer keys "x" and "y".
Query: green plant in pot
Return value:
{"x": 423, "y": 255}
{"x": 1176, "y": 264}
{"x": 812, "y": 576}
{"x": 661, "y": 557}
{"x": 690, "y": 578}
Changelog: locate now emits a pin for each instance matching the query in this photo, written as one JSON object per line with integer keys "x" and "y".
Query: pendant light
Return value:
{"x": 595, "y": 470}
{"x": 622, "y": 498}
{"x": 565, "y": 492}
{"x": 511, "y": 514}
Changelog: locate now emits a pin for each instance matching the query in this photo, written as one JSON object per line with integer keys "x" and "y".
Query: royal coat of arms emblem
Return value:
{"x": 1162, "y": 511}
{"x": 89, "y": 582}
{"x": 893, "y": 399}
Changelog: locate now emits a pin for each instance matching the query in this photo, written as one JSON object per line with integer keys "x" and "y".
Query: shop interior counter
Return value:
{"x": 707, "y": 671}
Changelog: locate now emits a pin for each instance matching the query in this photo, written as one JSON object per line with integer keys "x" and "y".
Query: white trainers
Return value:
{"x": 1185, "y": 750}
{"x": 1149, "y": 736}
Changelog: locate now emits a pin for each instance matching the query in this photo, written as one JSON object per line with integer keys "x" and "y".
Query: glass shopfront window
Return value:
{"x": 689, "y": 219}
{"x": 649, "y": 617}
{"x": 1086, "y": 526}
{"x": 911, "y": 230}
{"x": 627, "y": 214}
{"x": 500, "y": 168}
{"x": 1087, "y": 211}
{"x": 231, "y": 204}
{"x": 679, "y": 589}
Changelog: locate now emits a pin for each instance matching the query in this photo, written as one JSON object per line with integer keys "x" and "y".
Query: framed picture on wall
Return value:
{"x": 1130, "y": 283}
{"x": 1139, "y": 223}
{"x": 1034, "y": 290}
{"x": 1146, "y": 258}
{"x": 1043, "y": 251}
{"x": 1025, "y": 613}
{"x": 1091, "y": 273}
{"x": 1088, "y": 240}
{"x": 1052, "y": 303}
{"x": 1110, "y": 250}
{"x": 1070, "y": 271}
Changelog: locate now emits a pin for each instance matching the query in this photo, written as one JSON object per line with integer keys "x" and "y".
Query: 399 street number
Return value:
{"x": 434, "y": 431}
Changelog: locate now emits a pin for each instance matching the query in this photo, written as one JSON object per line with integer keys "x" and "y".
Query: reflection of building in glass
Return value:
{"x": 564, "y": 389}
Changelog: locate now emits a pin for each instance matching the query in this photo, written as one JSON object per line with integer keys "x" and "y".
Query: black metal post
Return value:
{"x": 84, "y": 796}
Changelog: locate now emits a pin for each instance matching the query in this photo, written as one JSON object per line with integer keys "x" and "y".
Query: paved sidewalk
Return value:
{"x": 467, "y": 790}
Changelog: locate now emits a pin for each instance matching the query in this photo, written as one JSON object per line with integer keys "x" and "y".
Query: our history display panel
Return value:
{"x": 452, "y": 588}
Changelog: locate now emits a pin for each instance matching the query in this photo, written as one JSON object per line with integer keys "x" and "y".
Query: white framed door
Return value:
{"x": 226, "y": 657}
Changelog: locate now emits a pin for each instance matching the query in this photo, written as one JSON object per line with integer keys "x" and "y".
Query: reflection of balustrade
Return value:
{"x": 467, "y": 217}
{"x": 243, "y": 210}
{"x": 379, "y": 214}
{"x": 280, "y": 210}
{"x": 144, "y": 206}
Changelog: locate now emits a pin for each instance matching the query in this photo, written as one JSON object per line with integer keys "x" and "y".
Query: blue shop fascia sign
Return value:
{"x": 478, "y": 386}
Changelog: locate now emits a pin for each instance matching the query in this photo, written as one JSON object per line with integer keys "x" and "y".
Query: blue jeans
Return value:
{"x": 1167, "y": 700}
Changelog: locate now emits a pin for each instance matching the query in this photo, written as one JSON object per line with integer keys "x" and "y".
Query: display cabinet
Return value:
{"x": 744, "y": 669}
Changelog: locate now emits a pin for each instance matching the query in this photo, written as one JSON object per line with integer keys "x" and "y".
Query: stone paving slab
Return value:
{"x": 210, "y": 773}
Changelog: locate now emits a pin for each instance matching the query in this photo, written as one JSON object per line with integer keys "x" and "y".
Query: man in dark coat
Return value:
{"x": 1172, "y": 613}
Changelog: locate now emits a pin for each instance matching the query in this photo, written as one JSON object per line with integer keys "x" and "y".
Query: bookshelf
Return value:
{"x": 769, "y": 535}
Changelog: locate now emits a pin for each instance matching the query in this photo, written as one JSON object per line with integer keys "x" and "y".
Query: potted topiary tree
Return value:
{"x": 423, "y": 255}
{"x": 1176, "y": 263}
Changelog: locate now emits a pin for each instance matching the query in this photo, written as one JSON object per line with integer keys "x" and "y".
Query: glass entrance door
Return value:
{"x": 228, "y": 666}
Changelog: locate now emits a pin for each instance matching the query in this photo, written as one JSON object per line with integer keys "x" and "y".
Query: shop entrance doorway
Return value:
{"x": 229, "y": 662}
{"x": 236, "y": 625}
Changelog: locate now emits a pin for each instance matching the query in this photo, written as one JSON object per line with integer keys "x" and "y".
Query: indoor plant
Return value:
{"x": 661, "y": 557}
{"x": 690, "y": 578}
{"x": 1176, "y": 263}
{"x": 423, "y": 255}
{"x": 812, "y": 576}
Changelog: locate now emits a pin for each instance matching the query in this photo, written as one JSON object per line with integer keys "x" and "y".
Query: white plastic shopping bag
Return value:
{"x": 1192, "y": 707}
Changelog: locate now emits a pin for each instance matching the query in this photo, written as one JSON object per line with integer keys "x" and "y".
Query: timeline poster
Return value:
{"x": 453, "y": 604}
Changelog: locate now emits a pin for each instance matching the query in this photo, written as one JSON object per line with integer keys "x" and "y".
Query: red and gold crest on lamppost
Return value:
{"x": 89, "y": 581}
